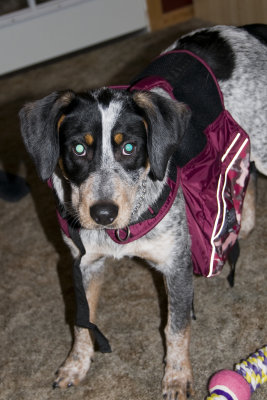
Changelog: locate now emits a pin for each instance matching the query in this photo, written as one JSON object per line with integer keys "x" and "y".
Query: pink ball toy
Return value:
{"x": 230, "y": 384}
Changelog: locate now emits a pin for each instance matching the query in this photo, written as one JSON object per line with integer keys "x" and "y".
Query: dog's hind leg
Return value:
{"x": 178, "y": 381}
{"x": 79, "y": 360}
{"x": 249, "y": 206}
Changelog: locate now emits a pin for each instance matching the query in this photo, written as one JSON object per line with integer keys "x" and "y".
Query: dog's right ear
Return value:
{"x": 167, "y": 121}
{"x": 39, "y": 125}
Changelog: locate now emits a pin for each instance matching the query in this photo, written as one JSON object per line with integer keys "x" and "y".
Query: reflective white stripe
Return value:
{"x": 214, "y": 235}
{"x": 225, "y": 180}
{"x": 214, "y": 228}
{"x": 224, "y": 389}
{"x": 229, "y": 148}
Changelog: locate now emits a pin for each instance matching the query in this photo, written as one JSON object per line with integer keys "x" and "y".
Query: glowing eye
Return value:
{"x": 79, "y": 150}
{"x": 127, "y": 149}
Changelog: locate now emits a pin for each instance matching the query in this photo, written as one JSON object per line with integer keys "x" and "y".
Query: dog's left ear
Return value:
{"x": 39, "y": 123}
{"x": 166, "y": 121}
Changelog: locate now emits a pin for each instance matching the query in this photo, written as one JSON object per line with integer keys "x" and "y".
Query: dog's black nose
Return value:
{"x": 104, "y": 212}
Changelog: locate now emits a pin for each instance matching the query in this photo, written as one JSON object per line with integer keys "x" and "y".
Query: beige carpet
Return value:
{"x": 37, "y": 301}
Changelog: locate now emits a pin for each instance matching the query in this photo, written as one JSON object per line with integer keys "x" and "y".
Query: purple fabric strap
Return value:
{"x": 63, "y": 223}
{"x": 151, "y": 82}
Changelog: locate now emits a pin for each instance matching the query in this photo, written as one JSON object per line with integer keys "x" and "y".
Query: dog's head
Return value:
{"x": 106, "y": 142}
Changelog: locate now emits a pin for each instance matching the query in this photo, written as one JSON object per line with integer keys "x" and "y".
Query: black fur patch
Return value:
{"x": 105, "y": 96}
{"x": 213, "y": 49}
{"x": 259, "y": 31}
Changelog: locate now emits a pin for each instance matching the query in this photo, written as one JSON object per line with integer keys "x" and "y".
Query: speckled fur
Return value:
{"x": 245, "y": 94}
{"x": 167, "y": 246}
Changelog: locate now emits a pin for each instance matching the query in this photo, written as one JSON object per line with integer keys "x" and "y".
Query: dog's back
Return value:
{"x": 238, "y": 58}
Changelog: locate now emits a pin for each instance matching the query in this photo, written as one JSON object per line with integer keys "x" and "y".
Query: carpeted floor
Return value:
{"x": 37, "y": 303}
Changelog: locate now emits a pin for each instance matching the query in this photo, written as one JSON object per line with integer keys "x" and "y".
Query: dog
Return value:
{"x": 108, "y": 152}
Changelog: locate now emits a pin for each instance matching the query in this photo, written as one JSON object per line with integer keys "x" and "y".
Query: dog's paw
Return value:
{"x": 176, "y": 391}
{"x": 72, "y": 372}
{"x": 177, "y": 388}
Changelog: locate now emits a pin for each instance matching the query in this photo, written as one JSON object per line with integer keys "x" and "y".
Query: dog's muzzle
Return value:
{"x": 104, "y": 212}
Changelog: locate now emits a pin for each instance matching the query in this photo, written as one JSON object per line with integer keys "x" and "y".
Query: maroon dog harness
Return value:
{"x": 213, "y": 178}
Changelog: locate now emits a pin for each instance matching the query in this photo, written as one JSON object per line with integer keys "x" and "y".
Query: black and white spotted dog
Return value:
{"x": 102, "y": 147}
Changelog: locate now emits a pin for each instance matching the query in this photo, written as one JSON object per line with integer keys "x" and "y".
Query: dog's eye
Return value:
{"x": 79, "y": 150}
{"x": 128, "y": 149}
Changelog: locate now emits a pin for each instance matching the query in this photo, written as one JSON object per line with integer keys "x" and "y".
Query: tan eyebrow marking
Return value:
{"x": 144, "y": 101}
{"x": 66, "y": 98}
{"x": 145, "y": 123}
{"x": 89, "y": 139}
{"x": 60, "y": 162}
{"x": 118, "y": 138}
{"x": 61, "y": 119}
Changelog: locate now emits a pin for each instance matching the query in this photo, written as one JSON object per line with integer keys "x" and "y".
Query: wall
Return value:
{"x": 231, "y": 12}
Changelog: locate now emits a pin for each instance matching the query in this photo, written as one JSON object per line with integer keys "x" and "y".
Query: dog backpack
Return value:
{"x": 211, "y": 167}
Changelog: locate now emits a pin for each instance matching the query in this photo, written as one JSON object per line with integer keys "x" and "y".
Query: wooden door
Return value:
{"x": 232, "y": 12}
{"x": 163, "y": 13}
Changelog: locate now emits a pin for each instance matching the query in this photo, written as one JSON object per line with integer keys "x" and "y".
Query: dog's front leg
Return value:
{"x": 78, "y": 362}
{"x": 178, "y": 381}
